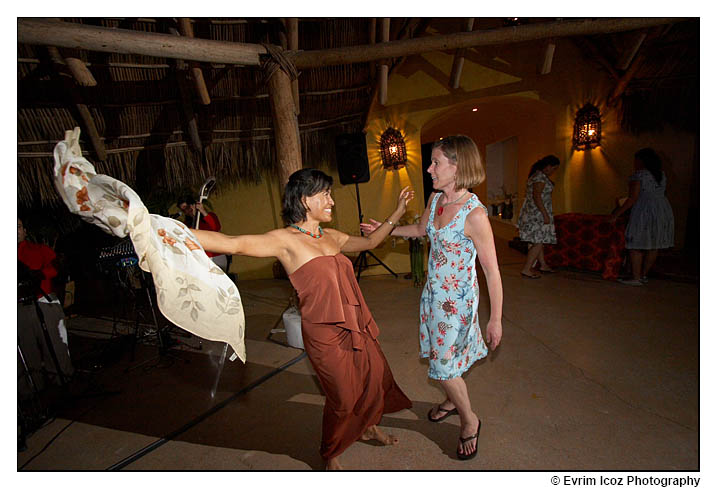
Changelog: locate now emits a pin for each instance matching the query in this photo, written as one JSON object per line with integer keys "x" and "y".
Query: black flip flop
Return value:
{"x": 527, "y": 276}
{"x": 464, "y": 440}
{"x": 447, "y": 413}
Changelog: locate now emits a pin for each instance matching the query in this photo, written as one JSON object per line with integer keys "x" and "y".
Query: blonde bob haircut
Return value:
{"x": 462, "y": 152}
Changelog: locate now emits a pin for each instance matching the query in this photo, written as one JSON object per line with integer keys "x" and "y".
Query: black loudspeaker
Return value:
{"x": 352, "y": 160}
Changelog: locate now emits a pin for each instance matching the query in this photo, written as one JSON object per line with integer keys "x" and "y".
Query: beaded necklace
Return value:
{"x": 319, "y": 235}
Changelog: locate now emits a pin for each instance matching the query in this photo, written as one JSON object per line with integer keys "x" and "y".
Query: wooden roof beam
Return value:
{"x": 458, "y": 64}
{"x": 504, "y": 35}
{"x": 186, "y": 99}
{"x": 185, "y": 28}
{"x": 548, "y": 53}
{"x": 587, "y": 44}
{"x": 106, "y": 40}
{"x": 630, "y": 53}
{"x": 385, "y": 24}
{"x": 638, "y": 60}
{"x": 66, "y": 34}
{"x": 90, "y": 128}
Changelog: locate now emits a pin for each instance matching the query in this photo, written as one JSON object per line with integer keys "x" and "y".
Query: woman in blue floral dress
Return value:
{"x": 458, "y": 228}
{"x": 650, "y": 225}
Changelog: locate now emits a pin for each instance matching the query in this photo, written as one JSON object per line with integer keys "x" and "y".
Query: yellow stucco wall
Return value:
{"x": 513, "y": 100}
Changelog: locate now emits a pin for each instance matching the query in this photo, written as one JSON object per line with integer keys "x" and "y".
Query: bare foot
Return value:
{"x": 333, "y": 464}
{"x": 468, "y": 447}
{"x": 377, "y": 434}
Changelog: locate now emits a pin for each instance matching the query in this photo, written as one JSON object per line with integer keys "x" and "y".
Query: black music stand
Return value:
{"x": 164, "y": 341}
{"x": 120, "y": 259}
{"x": 361, "y": 262}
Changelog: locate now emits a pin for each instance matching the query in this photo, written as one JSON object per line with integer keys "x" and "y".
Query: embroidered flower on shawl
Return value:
{"x": 166, "y": 238}
{"x": 82, "y": 198}
{"x": 433, "y": 354}
{"x": 190, "y": 244}
{"x": 464, "y": 320}
{"x": 440, "y": 341}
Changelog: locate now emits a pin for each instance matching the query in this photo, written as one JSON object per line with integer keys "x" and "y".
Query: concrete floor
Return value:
{"x": 591, "y": 375}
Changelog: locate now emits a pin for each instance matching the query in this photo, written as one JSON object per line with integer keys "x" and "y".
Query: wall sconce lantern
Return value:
{"x": 393, "y": 149}
{"x": 587, "y": 128}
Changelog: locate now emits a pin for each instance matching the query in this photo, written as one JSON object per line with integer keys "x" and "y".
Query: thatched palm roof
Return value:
{"x": 144, "y": 107}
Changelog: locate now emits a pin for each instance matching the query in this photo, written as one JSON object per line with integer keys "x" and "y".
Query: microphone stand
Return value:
{"x": 203, "y": 195}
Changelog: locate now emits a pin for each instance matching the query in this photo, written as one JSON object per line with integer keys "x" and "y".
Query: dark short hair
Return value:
{"x": 547, "y": 161}
{"x": 651, "y": 161}
{"x": 302, "y": 183}
{"x": 187, "y": 198}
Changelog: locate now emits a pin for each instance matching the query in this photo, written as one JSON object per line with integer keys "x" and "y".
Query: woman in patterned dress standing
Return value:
{"x": 536, "y": 217}
{"x": 459, "y": 231}
{"x": 650, "y": 226}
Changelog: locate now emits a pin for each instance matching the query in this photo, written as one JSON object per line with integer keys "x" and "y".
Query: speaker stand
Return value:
{"x": 361, "y": 263}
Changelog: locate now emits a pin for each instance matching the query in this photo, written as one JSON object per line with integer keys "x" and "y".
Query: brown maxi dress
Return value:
{"x": 339, "y": 337}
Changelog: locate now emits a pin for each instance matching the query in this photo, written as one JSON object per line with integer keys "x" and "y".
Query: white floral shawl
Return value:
{"x": 192, "y": 292}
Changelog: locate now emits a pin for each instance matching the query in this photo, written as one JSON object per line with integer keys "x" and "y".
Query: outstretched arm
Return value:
{"x": 479, "y": 230}
{"x": 270, "y": 244}
{"x": 415, "y": 230}
{"x": 349, "y": 243}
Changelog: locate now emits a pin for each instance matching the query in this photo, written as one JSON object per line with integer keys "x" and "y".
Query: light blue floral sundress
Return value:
{"x": 449, "y": 332}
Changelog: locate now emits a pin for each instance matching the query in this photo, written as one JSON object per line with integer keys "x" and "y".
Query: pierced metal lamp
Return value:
{"x": 393, "y": 149}
{"x": 587, "y": 128}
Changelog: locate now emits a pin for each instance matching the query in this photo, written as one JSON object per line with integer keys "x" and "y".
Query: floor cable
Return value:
{"x": 151, "y": 447}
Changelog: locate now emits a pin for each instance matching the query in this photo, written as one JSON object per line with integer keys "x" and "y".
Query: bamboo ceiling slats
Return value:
{"x": 137, "y": 103}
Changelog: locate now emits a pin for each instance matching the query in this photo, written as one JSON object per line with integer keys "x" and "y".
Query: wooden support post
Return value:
{"x": 455, "y": 78}
{"x": 384, "y": 67}
{"x": 90, "y": 129}
{"x": 286, "y": 127}
{"x": 548, "y": 57}
{"x": 293, "y": 45}
{"x": 185, "y": 28}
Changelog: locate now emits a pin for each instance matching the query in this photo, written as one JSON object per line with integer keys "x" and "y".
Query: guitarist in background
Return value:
{"x": 208, "y": 221}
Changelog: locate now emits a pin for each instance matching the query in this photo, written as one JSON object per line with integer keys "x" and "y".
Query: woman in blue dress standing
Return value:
{"x": 650, "y": 225}
{"x": 459, "y": 231}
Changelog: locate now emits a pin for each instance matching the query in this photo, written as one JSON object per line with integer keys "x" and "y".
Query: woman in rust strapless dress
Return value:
{"x": 339, "y": 333}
